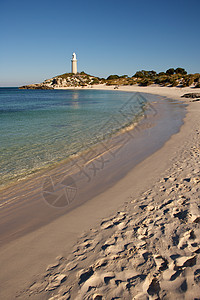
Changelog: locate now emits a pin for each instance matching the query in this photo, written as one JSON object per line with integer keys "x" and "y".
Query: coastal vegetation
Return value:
{"x": 172, "y": 77}
{"x": 81, "y": 79}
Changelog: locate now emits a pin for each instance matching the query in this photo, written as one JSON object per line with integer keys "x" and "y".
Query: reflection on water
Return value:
{"x": 75, "y": 96}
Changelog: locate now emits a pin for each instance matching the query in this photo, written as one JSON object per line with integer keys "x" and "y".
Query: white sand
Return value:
{"x": 141, "y": 237}
{"x": 173, "y": 92}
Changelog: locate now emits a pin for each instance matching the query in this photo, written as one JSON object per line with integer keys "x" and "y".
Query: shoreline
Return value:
{"x": 106, "y": 202}
{"x": 166, "y": 91}
{"x": 44, "y": 169}
{"x": 154, "y": 91}
{"x": 87, "y": 173}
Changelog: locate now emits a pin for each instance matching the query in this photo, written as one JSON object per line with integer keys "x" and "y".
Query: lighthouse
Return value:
{"x": 74, "y": 63}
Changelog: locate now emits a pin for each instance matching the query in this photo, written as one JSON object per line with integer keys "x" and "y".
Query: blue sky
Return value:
{"x": 109, "y": 37}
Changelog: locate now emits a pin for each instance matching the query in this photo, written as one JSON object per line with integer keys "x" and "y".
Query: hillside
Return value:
{"x": 172, "y": 77}
{"x": 66, "y": 80}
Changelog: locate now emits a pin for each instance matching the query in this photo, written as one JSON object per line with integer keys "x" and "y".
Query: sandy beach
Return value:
{"x": 137, "y": 238}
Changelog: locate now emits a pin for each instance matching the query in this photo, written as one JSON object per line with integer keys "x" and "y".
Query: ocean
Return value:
{"x": 40, "y": 128}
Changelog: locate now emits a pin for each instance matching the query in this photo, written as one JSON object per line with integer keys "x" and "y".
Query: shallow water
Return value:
{"x": 40, "y": 128}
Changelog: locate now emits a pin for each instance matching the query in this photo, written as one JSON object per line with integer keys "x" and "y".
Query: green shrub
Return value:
{"x": 146, "y": 82}
{"x": 139, "y": 74}
{"x": 189, "y": 81}
{"x": 111, "y": 83}
{"x": 197, "y": 85}
{"x": 111, "y": 77}
{"x": 165, "y": 83}
{"x": 170, "y": 71}
{"x": 174, "y": 82}
{"x": 132, "y": 82}
{"x": 162, "y": 79}
{"x": 95, "y": 81}
{"x": 180, "y": 71}
{"x": 145, "y": 74}
{"x": 197, "y": 77}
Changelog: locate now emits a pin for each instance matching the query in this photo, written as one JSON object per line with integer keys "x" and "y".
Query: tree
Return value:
{"x": 145, "y": 74}
{"x": 180, "y": 71}
{"x": 139, "y": 74}
{"x": 152, "y": 73}
{"x": 95, "y": 81}
{"x": 170, "y": 71}
{"x": 146, "y": 82}
{"x": 161, "y": 74}
{"x": 111, "y": 77}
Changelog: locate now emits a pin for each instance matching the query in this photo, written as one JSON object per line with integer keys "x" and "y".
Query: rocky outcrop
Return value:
{"x": 191, "y": 95}
{"x": 65, "y": 80}
{"x": 36, "y": 87}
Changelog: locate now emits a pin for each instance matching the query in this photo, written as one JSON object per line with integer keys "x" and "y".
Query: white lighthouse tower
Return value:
{"x": 74, "y": 63}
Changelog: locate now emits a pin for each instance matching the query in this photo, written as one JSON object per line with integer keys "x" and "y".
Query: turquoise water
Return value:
{"x": 40, "y": 128}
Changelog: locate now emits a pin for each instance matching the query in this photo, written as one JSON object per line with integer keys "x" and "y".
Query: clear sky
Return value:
{"x": 108, "y": 36}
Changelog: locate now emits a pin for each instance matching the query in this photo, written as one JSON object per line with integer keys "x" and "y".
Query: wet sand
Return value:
{"x": 35, "y": 233}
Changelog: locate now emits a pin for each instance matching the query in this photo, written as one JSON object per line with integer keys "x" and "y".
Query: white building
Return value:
{"x": 74, "y": 63}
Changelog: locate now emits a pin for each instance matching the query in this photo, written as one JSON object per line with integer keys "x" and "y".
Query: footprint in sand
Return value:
{"x": 197, "y": 276}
